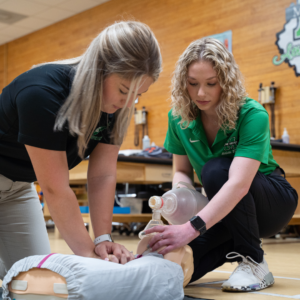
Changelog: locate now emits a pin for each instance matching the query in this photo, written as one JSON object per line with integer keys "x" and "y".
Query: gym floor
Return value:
{"x": 283, "y": 257}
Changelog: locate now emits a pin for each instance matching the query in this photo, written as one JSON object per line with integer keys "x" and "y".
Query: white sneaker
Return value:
{"x": 248, "y": 276}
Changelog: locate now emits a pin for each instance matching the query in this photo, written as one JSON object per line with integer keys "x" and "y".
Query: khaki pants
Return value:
{"x": 22, "y": 227}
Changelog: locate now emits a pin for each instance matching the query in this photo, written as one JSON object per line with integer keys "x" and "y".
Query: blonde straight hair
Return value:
{"x": 229, "y": 76}
{"x": 128, "y": 49}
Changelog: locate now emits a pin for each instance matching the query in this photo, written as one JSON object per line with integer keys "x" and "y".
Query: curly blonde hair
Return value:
{"x": 229, "y": 76}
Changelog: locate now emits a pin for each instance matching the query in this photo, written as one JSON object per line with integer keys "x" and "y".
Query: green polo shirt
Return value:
{"x": 250, "y": 138}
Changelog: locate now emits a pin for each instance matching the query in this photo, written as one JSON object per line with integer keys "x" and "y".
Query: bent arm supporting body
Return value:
{"x": 183, "y": 169}
{"x": 51, "y": 169}
{"x": 102, "y": 175}
{"x": 241, "y": 174}
{"x": 102, "y": 178}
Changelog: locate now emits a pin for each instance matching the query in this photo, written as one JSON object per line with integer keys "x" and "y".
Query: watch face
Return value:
{"x": 197, "y": 222}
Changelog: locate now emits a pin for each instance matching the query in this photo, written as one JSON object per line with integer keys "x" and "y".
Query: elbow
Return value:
{"x": 180, "y": 172}
{"x": 185, "y": 173}
{"x": 244, "y": 191}
{"x": 54, "y": 192}
{"x": 241, "y": 189}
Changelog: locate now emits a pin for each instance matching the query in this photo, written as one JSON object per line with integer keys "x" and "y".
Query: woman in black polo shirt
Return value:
{"x": 224, "y": 136}
{"x": 52, "y": 117}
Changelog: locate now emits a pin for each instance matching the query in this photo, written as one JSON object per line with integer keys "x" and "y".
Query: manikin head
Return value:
{"x": 182, "y": 256}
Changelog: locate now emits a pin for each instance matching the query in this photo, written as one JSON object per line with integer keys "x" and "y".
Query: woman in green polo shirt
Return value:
{"x": 224, "y": 136}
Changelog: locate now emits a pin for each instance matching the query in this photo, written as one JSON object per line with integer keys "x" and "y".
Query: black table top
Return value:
{"x": 285, "y": 147}
{"x": 147, "y": 160}
{"x": 164, "y": 161}
{"x": 168, "y": 161}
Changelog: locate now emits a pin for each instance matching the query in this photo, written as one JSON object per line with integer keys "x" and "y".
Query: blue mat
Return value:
{"x": 117, "y": 210}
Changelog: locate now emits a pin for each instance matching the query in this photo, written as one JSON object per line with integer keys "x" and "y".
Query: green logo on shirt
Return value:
{"x": 230, "y": 146}
{"x": 96, "y": 132}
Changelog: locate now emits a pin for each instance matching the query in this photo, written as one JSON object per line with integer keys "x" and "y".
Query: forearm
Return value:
{"x": 101, "y": 193}
{"x": 222, "y": 203}
{"x": 180, "y": 176}
{"x": 65, "y": 212}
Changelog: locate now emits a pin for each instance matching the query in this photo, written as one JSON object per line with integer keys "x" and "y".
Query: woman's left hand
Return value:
{"x": 171, "y": 237}
{"x": 119, "y": 251}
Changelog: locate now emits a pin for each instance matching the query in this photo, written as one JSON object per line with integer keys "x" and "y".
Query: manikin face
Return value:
{"x": 115, "y": 92}
{"x": 203, "y": 85}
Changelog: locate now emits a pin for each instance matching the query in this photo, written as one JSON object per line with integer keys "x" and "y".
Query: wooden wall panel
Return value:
{"x": 177, "y": 23}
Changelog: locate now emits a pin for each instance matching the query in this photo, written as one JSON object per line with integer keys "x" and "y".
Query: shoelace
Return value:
{"x": 247, "y": 262}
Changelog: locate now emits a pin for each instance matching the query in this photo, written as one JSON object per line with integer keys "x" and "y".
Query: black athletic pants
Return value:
{"x": 263, "y": 212}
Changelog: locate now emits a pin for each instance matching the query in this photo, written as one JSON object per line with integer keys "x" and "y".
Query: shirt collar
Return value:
{"x": 198, "y": 130}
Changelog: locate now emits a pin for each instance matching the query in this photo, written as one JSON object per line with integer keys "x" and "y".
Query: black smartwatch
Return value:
{"x": 198, "y": 224}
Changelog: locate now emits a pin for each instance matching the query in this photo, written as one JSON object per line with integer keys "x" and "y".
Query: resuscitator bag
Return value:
{"x": 180, "y": 204}
{"x": 74, "y": 277}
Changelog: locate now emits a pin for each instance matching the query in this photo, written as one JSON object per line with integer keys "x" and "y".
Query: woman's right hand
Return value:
{"x": 104, "y": 249}
{"x": 93, "y": 255}
{"x": 113, "y": 258}
{"x": 171, "y": 237}
{"x": 110, "y": 258}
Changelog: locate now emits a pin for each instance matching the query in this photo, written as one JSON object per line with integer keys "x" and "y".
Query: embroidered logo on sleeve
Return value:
{"x": 97, "y": 135}
{"x": 230, "y": 146}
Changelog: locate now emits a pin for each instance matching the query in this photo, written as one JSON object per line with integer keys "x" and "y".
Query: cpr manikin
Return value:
{"x": 45, "y": 284}
{"x": 57, "y": 276}
{"x": 74, "y": 277}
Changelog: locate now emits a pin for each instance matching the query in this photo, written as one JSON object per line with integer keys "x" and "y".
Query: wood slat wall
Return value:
{"x": 176, "y": 23}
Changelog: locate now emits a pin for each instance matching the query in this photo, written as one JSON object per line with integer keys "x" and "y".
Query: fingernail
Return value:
{"x": 106, "y": 259}
{"x": 143, "y": 233}
{"x": 148, "y": 246}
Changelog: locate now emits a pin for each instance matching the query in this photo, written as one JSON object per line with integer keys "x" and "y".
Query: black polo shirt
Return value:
{"x": 28, "y": 110}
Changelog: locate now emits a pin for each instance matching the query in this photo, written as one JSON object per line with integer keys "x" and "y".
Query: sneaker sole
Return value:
{"x": 267, "y": 282}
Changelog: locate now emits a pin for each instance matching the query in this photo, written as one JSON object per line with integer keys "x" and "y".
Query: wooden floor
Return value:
{"x": 283, "y": 257}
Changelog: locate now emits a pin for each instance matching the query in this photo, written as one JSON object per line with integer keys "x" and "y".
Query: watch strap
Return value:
{"x": 103, "y": 238}
{"x": 198, "y": 224}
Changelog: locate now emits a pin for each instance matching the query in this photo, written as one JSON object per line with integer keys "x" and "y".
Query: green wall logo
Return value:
{"x": 288, "y": 40}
